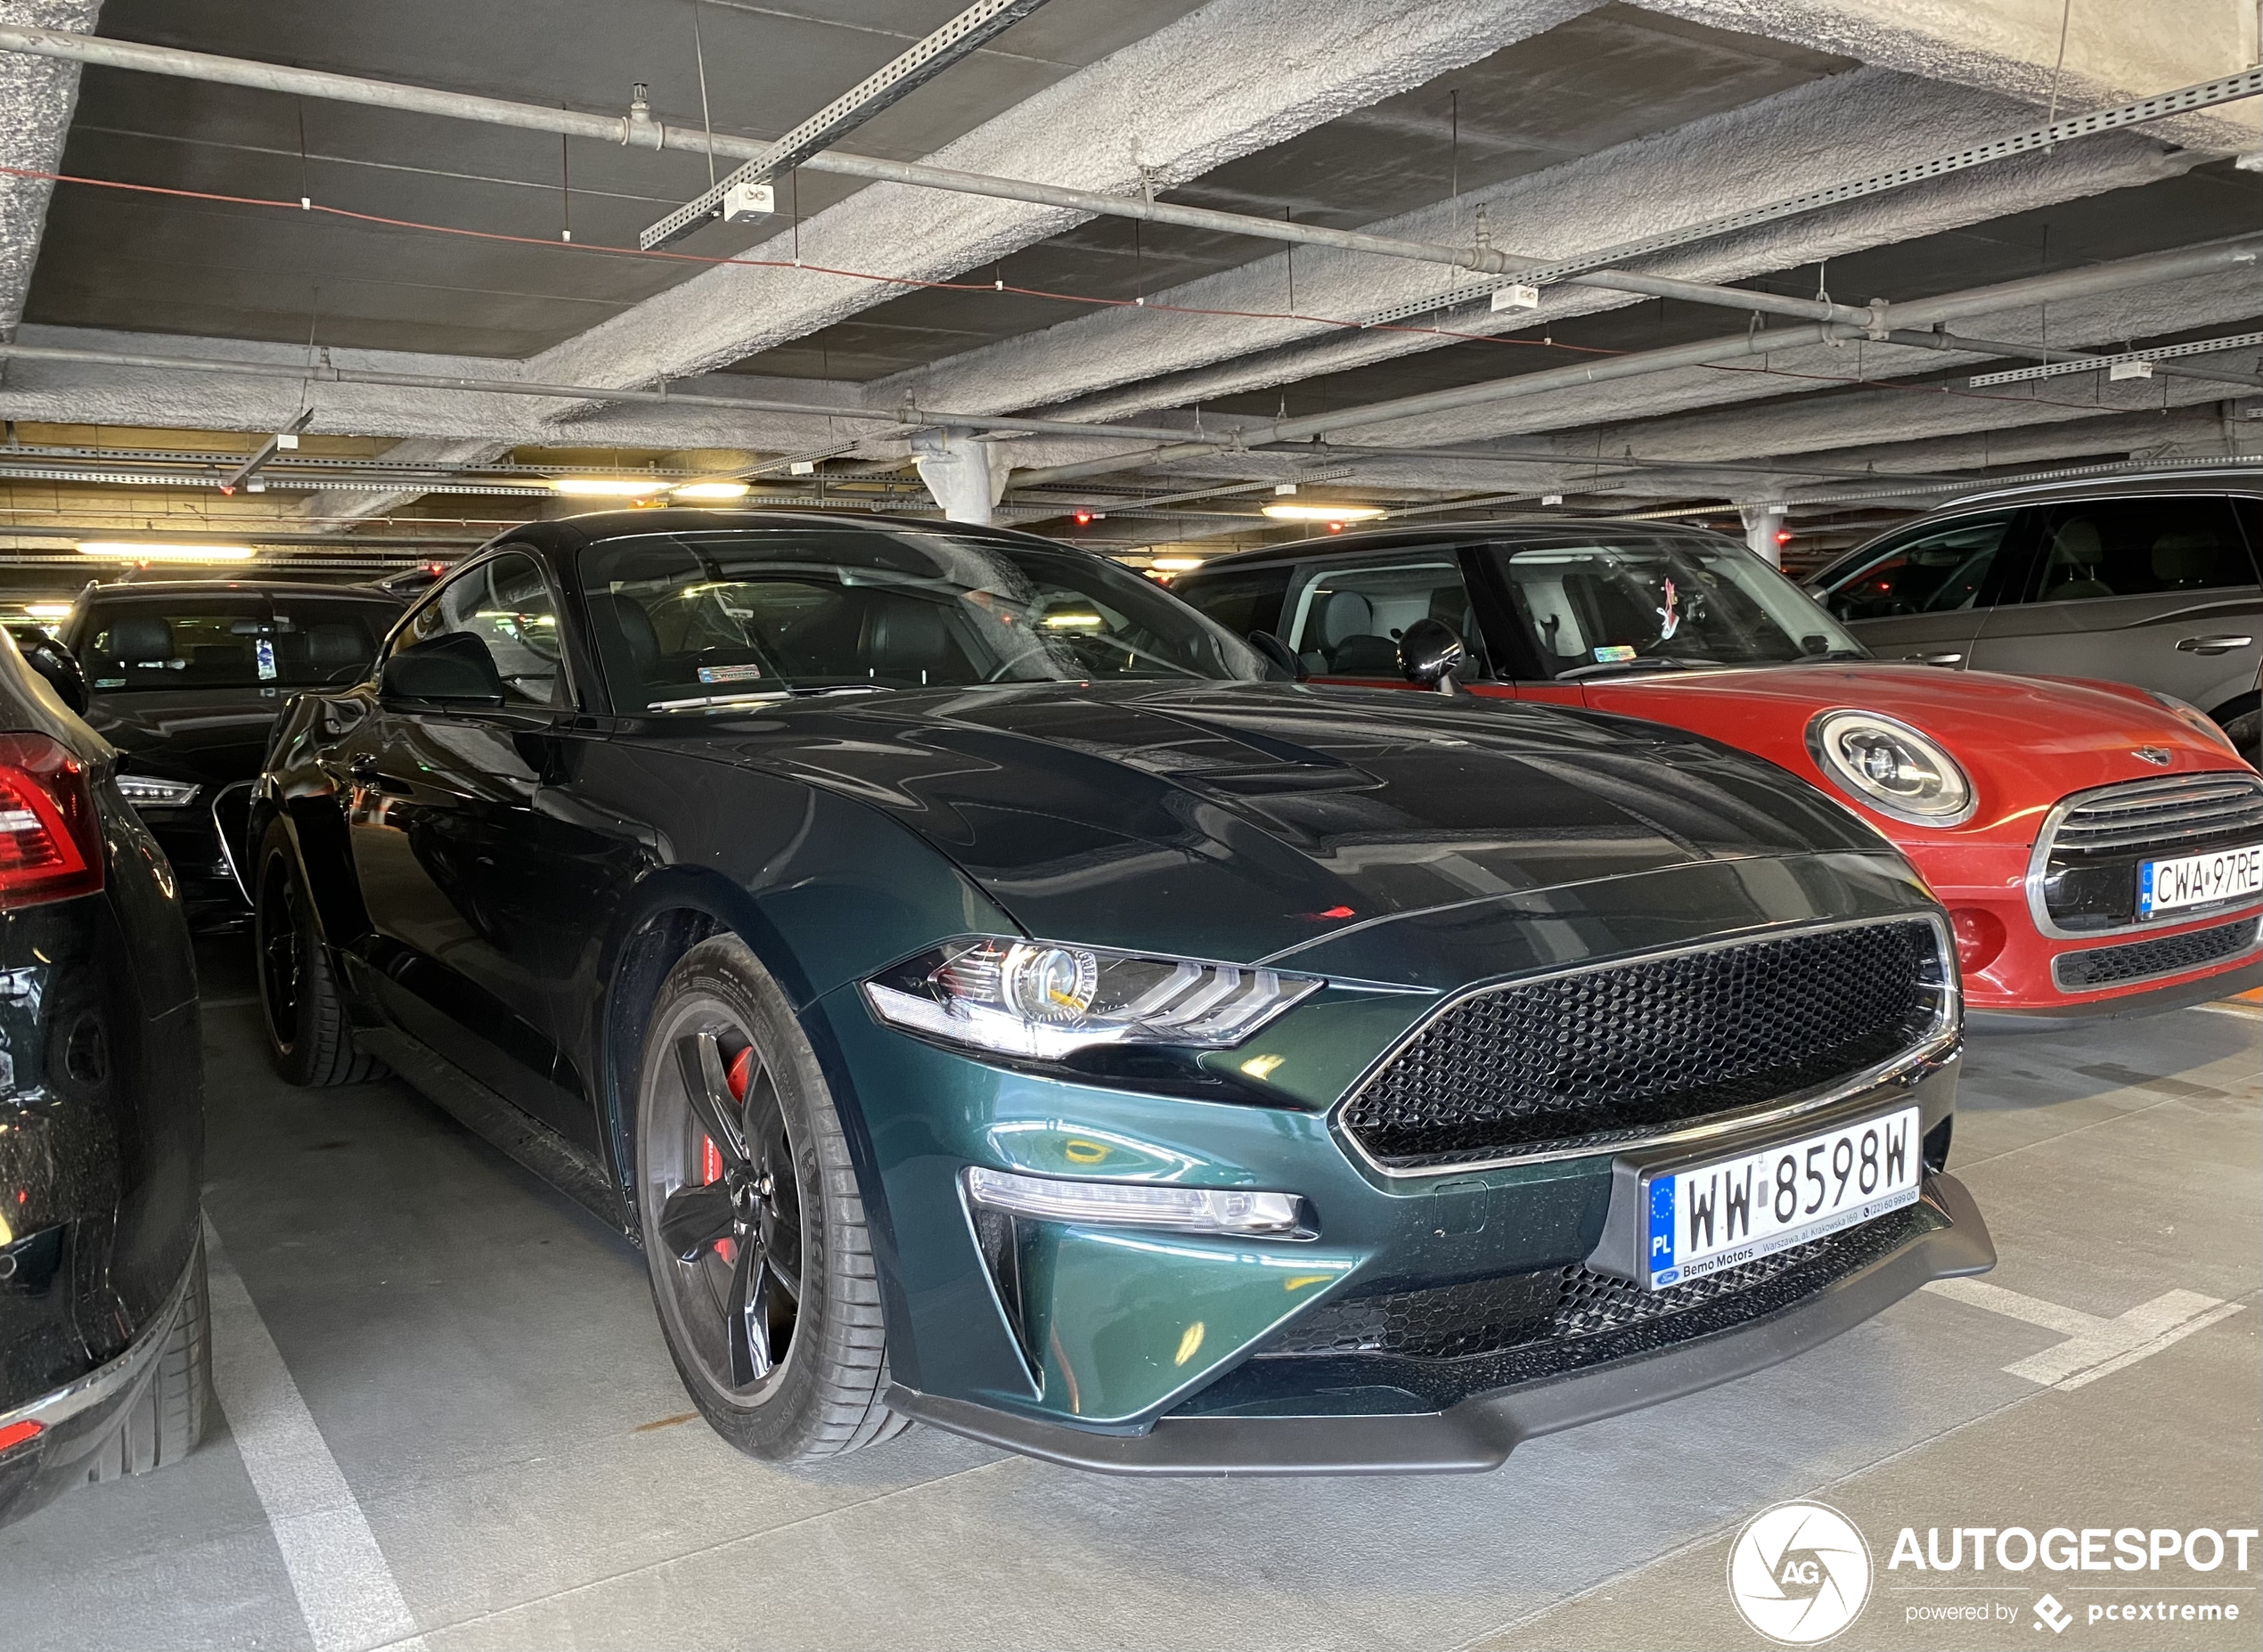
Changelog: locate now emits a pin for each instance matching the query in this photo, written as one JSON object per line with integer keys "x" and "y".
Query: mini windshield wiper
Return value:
{"x": 1602, "y": 667}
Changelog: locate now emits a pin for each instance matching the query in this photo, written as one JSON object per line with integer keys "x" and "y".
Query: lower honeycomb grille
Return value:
{"x": 2142, "y": 960}
{"x": 1609, "y": 1052}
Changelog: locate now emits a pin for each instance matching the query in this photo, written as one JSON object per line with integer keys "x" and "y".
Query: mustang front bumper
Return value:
{"x": 1479, "y": 1432}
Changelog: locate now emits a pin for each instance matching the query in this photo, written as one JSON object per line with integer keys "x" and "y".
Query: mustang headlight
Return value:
{"x": 147, "y": 791}
{"x": 1891, "y": 768}
{"x": 1043, "y": 1000}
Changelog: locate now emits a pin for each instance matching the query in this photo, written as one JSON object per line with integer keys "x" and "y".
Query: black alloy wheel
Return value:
{"x": 310, "y": 1038}
{"x": 754, "y": 1229}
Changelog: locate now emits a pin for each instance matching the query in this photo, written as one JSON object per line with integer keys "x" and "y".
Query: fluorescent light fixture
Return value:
{"x": 604, "y": 486}
{"x": 1323, "y": 513}
{"x": 1176, "y": 564}
{"x": 133, "y": 551}
{"x": 709, "y": 490}
{"x": 47, "y": 611}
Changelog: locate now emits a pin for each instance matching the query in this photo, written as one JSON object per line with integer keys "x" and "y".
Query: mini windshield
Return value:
{"x": 229, "y": 640}
{"x": 684, "y": 621}
{"x": 1661, "y": 599}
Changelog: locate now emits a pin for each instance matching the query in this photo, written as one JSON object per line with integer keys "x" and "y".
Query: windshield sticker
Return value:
{"x": 265, "y": 650}
{"x": 728, "y": 673}
{"x": 1614, "y": 654}
{"x": 1669, "y": 616}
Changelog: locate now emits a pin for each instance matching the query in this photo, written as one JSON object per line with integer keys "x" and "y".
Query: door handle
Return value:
{"x": 1933, "y": 659}
{"x": 2212, "y": 645}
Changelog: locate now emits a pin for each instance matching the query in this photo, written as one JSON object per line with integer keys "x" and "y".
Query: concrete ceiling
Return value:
{"x": 1569, "y": 124}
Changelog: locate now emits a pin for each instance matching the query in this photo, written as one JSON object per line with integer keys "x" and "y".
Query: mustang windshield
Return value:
{"x": 687, "y": 620}
{"x": 1661, "y": 599}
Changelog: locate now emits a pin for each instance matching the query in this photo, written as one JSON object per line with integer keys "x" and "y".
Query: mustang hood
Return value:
{"x": 1239, "y": 821}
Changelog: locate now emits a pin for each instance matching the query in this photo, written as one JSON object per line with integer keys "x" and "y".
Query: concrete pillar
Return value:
{"x": 1761, "y": 524}
{"x": 965, "y": 476}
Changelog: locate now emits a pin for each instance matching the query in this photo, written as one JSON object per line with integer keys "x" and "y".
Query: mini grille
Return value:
{"x": 1601, "y": 1054}
{"x": 2160, "y": 814}
{"x": 2139, "y": 960}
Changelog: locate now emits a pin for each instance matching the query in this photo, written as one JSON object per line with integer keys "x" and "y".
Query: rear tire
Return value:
{"x": 785, "y": 1234}
{"x": 310, "y": 1039}
{"x": 166, "y": 1418}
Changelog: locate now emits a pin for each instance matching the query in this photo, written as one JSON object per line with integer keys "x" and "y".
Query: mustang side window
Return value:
{"x": 1345, "y": 622}
{"x": 506, "y": 605}
{"x": 1937, "y": 572}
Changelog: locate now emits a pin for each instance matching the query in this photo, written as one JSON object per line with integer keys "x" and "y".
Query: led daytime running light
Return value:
{"x": 1138, "y": 1205}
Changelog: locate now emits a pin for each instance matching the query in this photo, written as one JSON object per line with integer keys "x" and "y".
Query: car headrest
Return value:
{"x": 1348, "y": 614}
{"x": 139, "y": 639}
{"x": 2184, "y": 559}
{"x": 625, "y": 619}
{"x": 2076, "y": 544}
{"x": 336, "y": 642}
{"x": 905, "y": 635}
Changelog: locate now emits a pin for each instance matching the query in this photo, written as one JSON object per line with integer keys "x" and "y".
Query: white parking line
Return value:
{"x": 346, "y": 1591}
{"x": 2094, "y": 1346}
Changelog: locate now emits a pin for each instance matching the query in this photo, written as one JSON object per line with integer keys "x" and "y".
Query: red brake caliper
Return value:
{"x": 737, "y": 1075}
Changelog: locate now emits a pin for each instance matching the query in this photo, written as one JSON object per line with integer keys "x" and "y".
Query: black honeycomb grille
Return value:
{"x": 1485, "y": 1316}
{"x": 1631, "y": 1047}
{"x": 2139, "y": 960}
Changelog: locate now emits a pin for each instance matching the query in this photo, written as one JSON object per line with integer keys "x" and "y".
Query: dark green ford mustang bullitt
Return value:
{"x": 992, "y": 995}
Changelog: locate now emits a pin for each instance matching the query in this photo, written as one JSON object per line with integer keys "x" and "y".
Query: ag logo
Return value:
{"x": 1799, "y": 1573}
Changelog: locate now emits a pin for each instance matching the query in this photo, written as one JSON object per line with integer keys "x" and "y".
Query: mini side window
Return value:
{"x": 1345, "y": 620}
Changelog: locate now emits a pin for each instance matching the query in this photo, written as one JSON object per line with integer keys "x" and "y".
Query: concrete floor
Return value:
{"x": 450, "y": 1416}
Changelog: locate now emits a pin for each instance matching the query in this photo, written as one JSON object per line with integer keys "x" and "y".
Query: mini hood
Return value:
{"x": 2026, "y": 741}
{"x": 1237, "y": 820}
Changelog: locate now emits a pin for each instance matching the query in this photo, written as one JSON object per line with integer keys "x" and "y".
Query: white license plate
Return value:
{"x": 2199, "y": 879}
{"x": 1737, "y": 1210}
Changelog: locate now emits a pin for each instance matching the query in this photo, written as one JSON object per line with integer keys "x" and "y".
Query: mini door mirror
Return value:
{"x": 455, "y": 668}
{"x": 1430, "y": 652}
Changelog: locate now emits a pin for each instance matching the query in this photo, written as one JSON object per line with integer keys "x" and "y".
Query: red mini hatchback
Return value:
{"x": 2099, "y": 848}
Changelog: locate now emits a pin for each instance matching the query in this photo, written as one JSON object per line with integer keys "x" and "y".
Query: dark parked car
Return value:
{"x": 104, "y": 1360}
{"x": 186, "y": 678}
{"x": 991, "y": 996}
{"x": 2146, "y": 579}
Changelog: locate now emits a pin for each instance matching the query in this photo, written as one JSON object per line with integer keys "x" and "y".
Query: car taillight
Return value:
{"x": 50, "y": 844}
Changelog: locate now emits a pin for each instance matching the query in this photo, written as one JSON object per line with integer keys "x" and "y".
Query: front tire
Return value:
{"x": 310, "y": 1039}
{"x": 754, "y": 1228}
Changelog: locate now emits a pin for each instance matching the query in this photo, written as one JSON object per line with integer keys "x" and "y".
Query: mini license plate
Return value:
{"x": 1737, "y": 1210}
{"x": 2199, "y": 879}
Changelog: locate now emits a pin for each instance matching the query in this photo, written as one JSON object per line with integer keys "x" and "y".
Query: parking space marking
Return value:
{"x": 2093, "y": 1347}
{"x": 346, "y": 1593}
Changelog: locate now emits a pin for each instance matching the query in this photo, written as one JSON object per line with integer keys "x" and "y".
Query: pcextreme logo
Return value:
{"x": 1799, "y": 1573}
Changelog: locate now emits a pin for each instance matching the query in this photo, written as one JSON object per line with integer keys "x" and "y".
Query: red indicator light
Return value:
{"x": 1082, "y": 518}
{"x": 17, "y": 1433}
{"x": 1783, "y": 536}
{"x": 1334, "y": 912}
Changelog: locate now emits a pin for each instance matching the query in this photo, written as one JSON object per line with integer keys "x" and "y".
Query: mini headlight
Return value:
{"x": 2193, "y": 718}
{"x": 1891, "y": 766}
{"x": 1044, "y": 1001}
{"x": 147, "y": 791}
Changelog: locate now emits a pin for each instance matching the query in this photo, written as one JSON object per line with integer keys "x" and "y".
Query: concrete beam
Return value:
{"x": 36, "y": 97}
{"x": 1110, "y": 364}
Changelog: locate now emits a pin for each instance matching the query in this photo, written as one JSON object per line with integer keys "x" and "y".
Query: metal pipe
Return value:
{"x": 908, "y": 415}
{"x": 639, "y": 130}
{"x": 2180, "y": 264}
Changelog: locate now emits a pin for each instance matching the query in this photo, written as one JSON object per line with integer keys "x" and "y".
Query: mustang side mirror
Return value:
{"x": 1273, "y": 648}
{"x": 1430, "y": 652}
{"x": 456, "y": 667}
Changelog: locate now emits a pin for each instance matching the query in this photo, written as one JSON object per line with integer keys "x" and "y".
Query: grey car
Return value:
{"x": 2148, "y": 579}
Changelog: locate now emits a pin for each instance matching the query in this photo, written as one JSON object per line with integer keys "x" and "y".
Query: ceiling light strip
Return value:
{"x": 2051, "y": 369}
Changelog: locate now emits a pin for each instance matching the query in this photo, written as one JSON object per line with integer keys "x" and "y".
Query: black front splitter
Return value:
{"x": 1479, "y": 1432}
